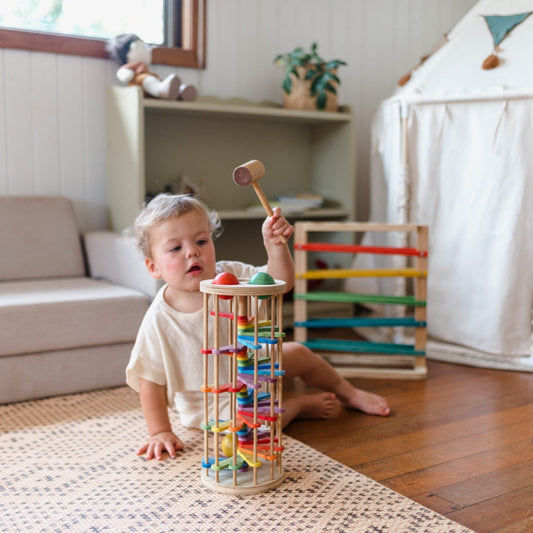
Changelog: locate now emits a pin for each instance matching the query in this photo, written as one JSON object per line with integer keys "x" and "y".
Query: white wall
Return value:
{"x": 52, "y": 107}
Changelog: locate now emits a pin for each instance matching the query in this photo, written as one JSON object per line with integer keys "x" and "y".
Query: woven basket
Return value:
{"x": 300, "y": 96}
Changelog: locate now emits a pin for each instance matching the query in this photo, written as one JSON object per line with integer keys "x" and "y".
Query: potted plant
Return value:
{"x": 309, "y": 82}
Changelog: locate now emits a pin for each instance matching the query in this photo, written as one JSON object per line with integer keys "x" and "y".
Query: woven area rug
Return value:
{"x": 69, "y": 464}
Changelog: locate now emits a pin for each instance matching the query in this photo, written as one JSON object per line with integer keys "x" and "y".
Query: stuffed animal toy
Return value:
{"x": 134, "y": 57}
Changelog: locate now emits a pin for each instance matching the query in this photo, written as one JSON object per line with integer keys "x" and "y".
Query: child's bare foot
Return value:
{"x": 316, "y": 405}
{"x": 367, "y": 402}
{"x": 309, "y": 406}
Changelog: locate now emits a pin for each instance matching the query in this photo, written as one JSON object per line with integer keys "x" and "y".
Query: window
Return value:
{"x": 180, "y": 24}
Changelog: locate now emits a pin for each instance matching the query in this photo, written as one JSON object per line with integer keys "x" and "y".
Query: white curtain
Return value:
{"x": 469, "y": 177}
{"x": 471, "y": 180}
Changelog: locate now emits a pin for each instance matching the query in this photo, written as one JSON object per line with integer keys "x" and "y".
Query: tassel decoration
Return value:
{"x": 490, "y": 62}
{"x": 404, "y": 79}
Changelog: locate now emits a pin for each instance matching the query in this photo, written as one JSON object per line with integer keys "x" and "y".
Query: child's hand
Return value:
{"x": 275, "y": 226}
{"x": 157, "y": 444}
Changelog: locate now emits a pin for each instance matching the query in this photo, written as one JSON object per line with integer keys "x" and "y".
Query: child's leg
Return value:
{"x": 300, "y": 361}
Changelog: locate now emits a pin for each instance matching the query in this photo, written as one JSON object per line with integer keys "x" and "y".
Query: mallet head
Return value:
{"x": 248, "y": 173}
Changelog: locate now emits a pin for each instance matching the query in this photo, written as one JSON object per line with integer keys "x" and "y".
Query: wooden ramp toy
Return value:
{"x": 353, "y": 358}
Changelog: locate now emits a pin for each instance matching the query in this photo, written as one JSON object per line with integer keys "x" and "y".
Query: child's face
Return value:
{"x": 183, "y": 253}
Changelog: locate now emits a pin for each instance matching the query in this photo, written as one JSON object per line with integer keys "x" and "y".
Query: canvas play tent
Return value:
{"x": 453, "y": 148}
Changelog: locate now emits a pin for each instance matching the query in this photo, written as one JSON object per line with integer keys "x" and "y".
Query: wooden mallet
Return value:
{"x": 251, "y": 173}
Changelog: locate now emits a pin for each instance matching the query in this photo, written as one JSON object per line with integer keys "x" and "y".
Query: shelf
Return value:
{"x": 243, "y": 214}
{"x": 151, "y": 143}
{"x": 246, "y": 110}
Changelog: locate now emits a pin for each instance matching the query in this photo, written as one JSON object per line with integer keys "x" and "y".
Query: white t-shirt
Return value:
{"x": 167, "y": 351}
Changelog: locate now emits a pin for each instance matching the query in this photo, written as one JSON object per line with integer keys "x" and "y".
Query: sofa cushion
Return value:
{"x": 38, "y": 238}
{"x": 46, "y": 315}
{"x": 37, "y": 375}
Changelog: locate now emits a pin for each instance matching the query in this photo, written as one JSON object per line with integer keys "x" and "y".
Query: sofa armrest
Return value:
{"x": 115, "y": 258}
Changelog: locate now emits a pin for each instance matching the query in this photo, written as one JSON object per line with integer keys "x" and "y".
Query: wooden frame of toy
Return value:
{"x": 355, "y": 358}
{"x": 243, "y": 452}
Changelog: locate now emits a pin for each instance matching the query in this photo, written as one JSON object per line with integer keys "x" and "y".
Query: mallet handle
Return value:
{"x": 264, "y": 202}
{"x": 262, "y": 198}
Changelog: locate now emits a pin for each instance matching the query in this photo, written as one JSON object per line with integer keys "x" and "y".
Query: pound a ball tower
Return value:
{"x": 243, "y": 447}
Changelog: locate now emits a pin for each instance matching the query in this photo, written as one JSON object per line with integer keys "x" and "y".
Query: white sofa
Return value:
{"x": 61, "y": 330}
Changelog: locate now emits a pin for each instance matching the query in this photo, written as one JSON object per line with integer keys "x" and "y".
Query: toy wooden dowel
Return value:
{"x": 249, "y": 174}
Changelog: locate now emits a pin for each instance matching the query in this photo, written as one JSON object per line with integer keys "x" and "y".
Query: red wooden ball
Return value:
{"x": 226, "y": 278}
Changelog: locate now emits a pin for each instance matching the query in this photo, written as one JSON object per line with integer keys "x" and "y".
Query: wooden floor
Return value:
{"x": 459, "y": 442}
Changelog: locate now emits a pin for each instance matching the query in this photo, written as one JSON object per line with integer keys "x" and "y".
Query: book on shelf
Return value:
{"x": 293, "y": 203}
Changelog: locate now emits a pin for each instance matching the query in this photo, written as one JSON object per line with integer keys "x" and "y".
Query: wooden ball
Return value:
{"x": 227, "y": 445}
{"x": 226, "y": 278}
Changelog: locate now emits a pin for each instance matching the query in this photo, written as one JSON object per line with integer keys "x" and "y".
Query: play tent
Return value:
{"x": 453, "y": 148}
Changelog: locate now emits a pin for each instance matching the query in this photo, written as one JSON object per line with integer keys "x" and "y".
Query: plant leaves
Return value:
{"x": 320, "y": 83}
{"x": 319, "y": 72}
{"x": 292, "y": 70}
{"x": 315, "y": 86}
{"x": 321, "y": 100}
{"x": 331, "y": 88}
{"x": 334, "y": 64}
{"x": 287, "y": 84}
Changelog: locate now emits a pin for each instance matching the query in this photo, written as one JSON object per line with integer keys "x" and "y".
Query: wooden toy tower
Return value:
{"x": 355, "y": 358}
{"x": 243, "y": 451}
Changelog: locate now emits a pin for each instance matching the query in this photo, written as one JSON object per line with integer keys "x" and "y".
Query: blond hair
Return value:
{"x": 164, "y": 207}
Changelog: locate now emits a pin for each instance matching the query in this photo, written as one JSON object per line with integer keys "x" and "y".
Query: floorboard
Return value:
{"x": 459, "y": 442}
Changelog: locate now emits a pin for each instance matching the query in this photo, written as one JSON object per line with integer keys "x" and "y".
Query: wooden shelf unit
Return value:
{"x": 150, "y": 143}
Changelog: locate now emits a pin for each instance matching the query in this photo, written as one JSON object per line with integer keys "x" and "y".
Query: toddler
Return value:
{"x": 175, "y": 233}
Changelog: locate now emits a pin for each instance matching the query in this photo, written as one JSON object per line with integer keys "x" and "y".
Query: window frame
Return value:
{"x": 191, "y": 54}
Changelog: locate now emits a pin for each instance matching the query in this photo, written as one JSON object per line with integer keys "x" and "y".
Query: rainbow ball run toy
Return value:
{"x": 243, "y": 409}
